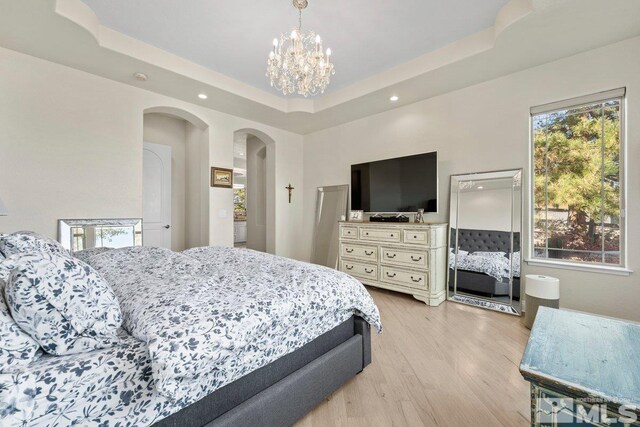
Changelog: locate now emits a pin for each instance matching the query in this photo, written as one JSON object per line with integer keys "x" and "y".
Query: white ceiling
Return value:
{"x": 234, "y": 37}
{"x": 525, "y": 33}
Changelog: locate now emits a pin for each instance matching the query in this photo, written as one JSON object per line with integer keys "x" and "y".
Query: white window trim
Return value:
{"x": 619, "y": 270}
{"x": 591, "y": 268}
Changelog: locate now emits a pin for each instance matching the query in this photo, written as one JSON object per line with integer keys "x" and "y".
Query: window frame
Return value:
{"x": 620, "y": 269}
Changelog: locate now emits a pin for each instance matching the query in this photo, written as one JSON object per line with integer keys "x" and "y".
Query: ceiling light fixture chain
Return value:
{"x": 298, "y": 63}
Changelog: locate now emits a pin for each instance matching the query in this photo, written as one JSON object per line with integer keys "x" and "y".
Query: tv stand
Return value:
{"x": 403, "y": 257}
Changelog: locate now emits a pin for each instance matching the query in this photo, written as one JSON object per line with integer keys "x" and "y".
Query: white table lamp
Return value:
{"x": 3, "y": 209}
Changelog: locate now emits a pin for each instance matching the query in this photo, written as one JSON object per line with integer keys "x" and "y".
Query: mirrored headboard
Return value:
{"x": 79, "y": 234}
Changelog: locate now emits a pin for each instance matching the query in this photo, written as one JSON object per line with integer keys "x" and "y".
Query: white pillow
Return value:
{"x": 62, "y": 303}
{"x": 490, "y": 254}
{"x": 460, "y": 252}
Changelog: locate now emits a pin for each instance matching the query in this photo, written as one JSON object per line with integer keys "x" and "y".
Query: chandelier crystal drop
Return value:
{"x": 298, "y": 63}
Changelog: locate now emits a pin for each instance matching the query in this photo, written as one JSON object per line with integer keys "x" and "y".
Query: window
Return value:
{"x": 578, "y": 199}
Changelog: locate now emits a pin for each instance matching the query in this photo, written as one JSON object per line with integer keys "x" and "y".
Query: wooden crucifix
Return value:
{"x": 290, "y": 188}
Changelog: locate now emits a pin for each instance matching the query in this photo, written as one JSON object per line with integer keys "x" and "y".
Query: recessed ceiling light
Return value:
{"x": 394, "y": 98}
{"x": 202, "y": 96}
{"x": 480, "y": 187}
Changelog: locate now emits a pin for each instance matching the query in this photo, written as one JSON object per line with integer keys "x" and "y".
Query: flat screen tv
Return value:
{"x": 403, "y": 184}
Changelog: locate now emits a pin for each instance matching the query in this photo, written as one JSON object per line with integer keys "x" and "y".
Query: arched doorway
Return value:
{"x": 254, "y": 178}
{"x": 178, "y": 216}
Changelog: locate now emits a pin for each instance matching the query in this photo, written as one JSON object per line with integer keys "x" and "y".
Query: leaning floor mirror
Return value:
{"x": 331, "y": 207}
{"x": 484, "y": 249}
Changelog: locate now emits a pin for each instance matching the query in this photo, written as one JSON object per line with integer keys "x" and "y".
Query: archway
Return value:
{"x": 254, "y": 166}
{"x": 187, "y": 138}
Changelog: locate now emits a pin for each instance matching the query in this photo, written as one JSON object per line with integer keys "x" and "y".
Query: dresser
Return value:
{"x": 403, "y": 257}
{"x": 583, "y": 369}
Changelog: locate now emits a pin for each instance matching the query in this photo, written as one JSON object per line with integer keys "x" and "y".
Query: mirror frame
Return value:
{"x": 318, "y": 214}
{"x": 479, "y": 301}
{"x": 65, "y": 226}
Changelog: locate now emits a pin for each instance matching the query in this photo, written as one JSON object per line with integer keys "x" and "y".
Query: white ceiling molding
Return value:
{"x": 526, "y": 33}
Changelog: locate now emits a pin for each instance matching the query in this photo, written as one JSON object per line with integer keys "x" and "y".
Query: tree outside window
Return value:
{"x": 577, "y": 183}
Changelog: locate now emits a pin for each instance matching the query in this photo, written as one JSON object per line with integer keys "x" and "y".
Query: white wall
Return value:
{"x": 71, "y": 147}
{"x": 256, "y": 194}
{"x": 197, "y": 186}
{"x": 486, "y": 127}
{"x": 485, "y": 210}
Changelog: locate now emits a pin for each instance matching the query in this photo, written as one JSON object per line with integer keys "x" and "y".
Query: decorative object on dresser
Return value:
{"x": 356, "y": 216}
{"x": 484, "y": 242}
{"x": 419, "y": 218}
{"x": 80, "y": 234}
{"x": 583, "y": 370}
{"x": 403, "y": 257}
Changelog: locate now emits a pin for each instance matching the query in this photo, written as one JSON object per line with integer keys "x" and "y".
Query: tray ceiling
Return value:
{"x": 524, "y": 34}
{"x": 234, "y": 37}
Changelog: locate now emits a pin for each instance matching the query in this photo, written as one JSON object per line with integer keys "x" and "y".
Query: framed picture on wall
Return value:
{"x": 221, "y": 177}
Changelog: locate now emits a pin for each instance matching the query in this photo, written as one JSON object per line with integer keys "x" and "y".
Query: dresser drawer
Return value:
{"x": 418, "y": 237}
{"x": 357, "y": 269}
{"x": 406, "y": 257}
{"x": 349, "y": 232}
{"x": 367, "y": 253}
{"x": 380, "y": 234}
{"x": 410, "y": 279}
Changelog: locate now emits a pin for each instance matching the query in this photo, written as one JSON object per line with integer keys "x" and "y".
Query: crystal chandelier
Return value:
{"x": 298, "y": 63}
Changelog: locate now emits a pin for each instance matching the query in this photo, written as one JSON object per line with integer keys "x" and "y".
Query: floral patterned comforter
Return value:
{"x": 212, "y": 315}
{"x": 106, "y": 387}
{"x": 497, "y": 267}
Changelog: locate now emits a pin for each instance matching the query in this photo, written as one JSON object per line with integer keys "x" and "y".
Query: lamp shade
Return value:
{"x": 3, "y": 209}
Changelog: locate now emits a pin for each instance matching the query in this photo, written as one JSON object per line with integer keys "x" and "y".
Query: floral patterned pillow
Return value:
{"x": 63, "y": 304}
{"x": 26, "y": 242}
{"x": 17, "y": 349}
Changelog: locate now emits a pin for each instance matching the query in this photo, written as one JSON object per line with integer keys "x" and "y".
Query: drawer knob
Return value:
{"x": 349, "y": 267}
{"x": 348, "y": 250}
{"x": 367, "y": 253}
{"x": 416, "y": 260}
{"x": 415, "y": 237}
{"x": 368, "y": 270}
{"x": 367, "y": 234}
{"x": 391, "y": 275}
{"x": 392, "y": 235}
{"x": 416, "y": 281}
{"x": 390, "y": 255}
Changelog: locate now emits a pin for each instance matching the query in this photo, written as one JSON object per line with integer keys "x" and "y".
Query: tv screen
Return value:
{"x": 404, "y": 184}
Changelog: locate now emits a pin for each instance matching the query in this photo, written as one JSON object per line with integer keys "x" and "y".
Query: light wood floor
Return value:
{"x": 451, "y": 365}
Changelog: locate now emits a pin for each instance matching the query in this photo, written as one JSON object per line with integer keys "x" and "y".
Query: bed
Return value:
{"x": 482, "y": 274}
{"x": 292, "y": 335}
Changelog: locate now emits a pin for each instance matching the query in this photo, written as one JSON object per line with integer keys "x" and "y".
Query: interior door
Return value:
{"x": 156, "y": 199}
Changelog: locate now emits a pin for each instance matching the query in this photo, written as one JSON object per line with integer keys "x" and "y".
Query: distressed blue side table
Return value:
{"x": 583, "y": 370}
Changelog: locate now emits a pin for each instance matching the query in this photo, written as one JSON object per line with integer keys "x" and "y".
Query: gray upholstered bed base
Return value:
{"x": 484, "y": 240}
{"x": 285, "y": 390}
